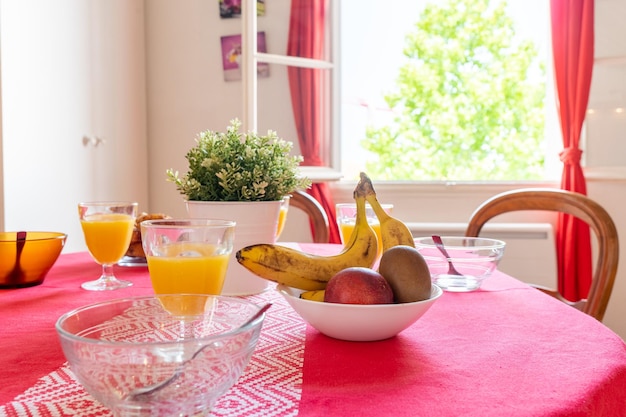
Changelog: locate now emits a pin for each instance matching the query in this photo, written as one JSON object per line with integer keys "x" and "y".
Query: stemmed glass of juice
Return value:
{"x": 107, "y": 227}
{"x": 187, "y": 256}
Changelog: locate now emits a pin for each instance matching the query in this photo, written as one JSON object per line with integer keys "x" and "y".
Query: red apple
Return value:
{"x": 358, "y": 285}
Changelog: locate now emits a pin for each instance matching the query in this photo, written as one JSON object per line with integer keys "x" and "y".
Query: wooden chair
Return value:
{"x": 316, "y": 213}
{"x": 577, "y": 205}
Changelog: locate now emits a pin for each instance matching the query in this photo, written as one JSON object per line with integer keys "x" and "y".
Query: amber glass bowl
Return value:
{"x": 39, "y": 252}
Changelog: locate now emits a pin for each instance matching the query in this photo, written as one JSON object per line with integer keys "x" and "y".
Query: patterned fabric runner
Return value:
{"x": 270, "y": 386}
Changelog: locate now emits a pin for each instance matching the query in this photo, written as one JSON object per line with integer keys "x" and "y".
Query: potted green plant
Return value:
{"x": 233, "y": 166}
{"x": 242, "y": 177}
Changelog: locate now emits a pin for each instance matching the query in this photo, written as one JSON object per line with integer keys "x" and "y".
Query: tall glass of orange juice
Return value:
{"x": 346, "y": 218}
{"x": 187, "y": 256}
{"x": 282, "y": 215}
{"x": 107, "y": 228}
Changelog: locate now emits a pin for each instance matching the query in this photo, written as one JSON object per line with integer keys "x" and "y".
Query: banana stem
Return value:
{"x": 361, "y": 222}
{"x": 365, "y": 188}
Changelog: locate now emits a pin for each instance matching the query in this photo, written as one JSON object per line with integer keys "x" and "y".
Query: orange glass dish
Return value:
{"x": 39, "y": 253}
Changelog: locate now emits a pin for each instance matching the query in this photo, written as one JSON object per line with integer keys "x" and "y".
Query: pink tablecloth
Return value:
{"x": 503, "y": 350}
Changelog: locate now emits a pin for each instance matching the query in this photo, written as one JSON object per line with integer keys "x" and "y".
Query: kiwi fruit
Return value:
{"x": 407, "y": 273}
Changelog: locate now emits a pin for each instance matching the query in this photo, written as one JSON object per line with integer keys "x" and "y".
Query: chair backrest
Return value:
{"x": 577, "y": 205}
{"x": 316, "y": 213}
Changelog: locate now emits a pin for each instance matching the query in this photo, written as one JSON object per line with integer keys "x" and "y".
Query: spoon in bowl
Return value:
{"x": 151, "y": 389}
{"x": 16, "y": 273}
{"x": 439, "y": 244}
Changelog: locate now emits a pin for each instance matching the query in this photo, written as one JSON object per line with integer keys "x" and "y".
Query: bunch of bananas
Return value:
{"x": 306, "y": 271}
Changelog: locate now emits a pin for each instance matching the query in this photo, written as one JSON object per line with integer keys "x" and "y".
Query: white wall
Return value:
{"x": 605, "y": 154}
{"x": 186, "y": 88}
{"x": 1, "y": 147}
{"x": 71, "y": 69}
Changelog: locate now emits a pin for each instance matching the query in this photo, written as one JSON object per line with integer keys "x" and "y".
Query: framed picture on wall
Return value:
{"x": 231, "y": 57}
{"x": 232, "y": 8}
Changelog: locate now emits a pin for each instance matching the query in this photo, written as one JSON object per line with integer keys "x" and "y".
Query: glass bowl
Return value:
{"x": 38, "y": 254}
{"x": 475, "y": 258}
{"x": 120, "y": 349}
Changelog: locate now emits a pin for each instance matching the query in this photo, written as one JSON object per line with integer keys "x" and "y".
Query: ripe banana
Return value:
{"x": 316, "y": 295}
{"x": 306, "y": 271}
{"x": 393, "y": 231}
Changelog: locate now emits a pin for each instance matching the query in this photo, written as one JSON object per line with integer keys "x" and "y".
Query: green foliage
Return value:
{"x": 232, "y": 166}
{"x": 469, "y": 101}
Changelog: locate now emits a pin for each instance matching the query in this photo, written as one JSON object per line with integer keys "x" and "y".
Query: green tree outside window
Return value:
{"x": 469, "y": 101}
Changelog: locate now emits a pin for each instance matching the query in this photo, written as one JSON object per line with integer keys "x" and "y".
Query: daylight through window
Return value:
{"x": 447, "y": 90}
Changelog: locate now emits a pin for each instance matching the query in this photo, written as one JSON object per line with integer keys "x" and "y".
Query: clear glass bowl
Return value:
{"x": 475, "y": 258}
{"x": 119, "y": 347}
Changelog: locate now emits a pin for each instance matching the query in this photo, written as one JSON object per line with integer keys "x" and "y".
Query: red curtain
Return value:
{"x": 306, "y": 40}
{"x": 573, "y": 48}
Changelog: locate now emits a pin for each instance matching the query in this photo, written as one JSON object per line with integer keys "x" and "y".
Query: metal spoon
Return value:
{"x": 451, "y": 269}
{"x": 16, "y": 273}
{"x": 151, "y": 389}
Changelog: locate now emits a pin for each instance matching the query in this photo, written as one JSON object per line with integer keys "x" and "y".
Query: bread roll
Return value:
{"x": 135, "y": 249}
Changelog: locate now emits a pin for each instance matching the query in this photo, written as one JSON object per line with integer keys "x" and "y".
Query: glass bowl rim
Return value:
{"x": 495, "y": 243}
{"x": 188, "y": 223}
{"x": 75, "y": 338}
{"x": 33, "y": 236}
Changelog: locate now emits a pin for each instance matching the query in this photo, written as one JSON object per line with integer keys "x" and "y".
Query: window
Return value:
{"x": 368, "y": 55}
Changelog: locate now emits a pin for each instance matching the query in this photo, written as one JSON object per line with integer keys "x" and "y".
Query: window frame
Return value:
{"x": 251, "y": 57}
{"x": 332, "y": 171}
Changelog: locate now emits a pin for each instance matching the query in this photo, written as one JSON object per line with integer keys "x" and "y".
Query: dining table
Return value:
{"x": 505, "y": 349}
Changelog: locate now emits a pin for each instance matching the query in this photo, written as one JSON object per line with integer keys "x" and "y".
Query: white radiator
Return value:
{"x": 529, "y": 255}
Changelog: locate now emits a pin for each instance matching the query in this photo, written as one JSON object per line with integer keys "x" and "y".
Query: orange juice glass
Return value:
{"x": 107, "y": 228}
{"x": 187, "y": 256}
{"x": 282, "y": 215}
{"x": 106, "y": 235}
{"x": 346, "y": 219}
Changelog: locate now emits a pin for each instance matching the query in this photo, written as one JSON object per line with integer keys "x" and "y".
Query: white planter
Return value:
{"x": 256, "y": 223}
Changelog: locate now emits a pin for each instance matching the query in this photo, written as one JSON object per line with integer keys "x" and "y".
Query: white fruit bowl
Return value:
{"x": 358, "y": 323}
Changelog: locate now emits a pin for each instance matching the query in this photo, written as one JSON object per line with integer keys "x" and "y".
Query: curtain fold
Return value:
{"x": 573, "y": 52}
{"x": 306, "y": 39}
